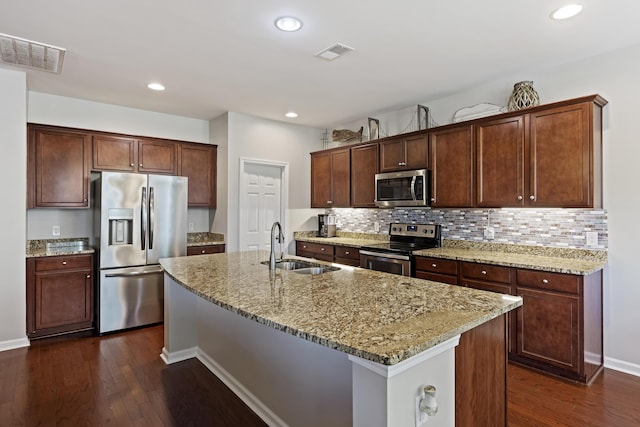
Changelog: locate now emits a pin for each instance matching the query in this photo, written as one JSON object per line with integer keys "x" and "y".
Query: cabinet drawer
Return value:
{"x": 316, "y": 248}
{"x": 63, "y": 263}
{"x": 205, "y": 249}
{"x": 435, "y": 277}
{"x": 347, "y": 252}
{"x": 490, "y": 273}
{"x": 437, "y": 265}
{"x": 550, "y": 281}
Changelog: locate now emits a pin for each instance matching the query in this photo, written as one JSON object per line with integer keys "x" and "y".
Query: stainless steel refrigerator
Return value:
{"x": 138, "y": 219}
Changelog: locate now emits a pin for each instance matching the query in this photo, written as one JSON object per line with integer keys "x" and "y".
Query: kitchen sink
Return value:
{"x": 302, "y": 267}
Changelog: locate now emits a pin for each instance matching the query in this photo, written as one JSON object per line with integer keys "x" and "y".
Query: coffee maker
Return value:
{"x": 326, "y": 225}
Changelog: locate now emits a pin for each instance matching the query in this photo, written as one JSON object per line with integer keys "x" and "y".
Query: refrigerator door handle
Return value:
{"x": 143, "y": 218}
{"x": 135, "y": 273}
{"x": 152, "y": 210}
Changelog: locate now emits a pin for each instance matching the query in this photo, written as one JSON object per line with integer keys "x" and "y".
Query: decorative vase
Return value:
{"x": 523, "y": 96}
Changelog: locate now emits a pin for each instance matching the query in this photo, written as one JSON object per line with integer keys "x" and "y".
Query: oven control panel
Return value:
{"x": 414, "y": 230}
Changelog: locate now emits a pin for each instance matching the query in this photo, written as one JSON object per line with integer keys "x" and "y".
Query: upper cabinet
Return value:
{"x": 331, "y": 178}
{"x": 549, "y": 157}
{"x": 404, "y": 153}
{"x": 115, "y": 153}
{"x": 452, "y": 169}
{"x": 198, "y": 162}
{"x": 59, "y": 168}
{"x": 364, "y": 166}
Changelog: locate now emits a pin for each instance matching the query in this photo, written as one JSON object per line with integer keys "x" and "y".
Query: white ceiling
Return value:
{"x": 215, "y": 56}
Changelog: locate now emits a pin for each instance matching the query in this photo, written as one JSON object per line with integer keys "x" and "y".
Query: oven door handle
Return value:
{"x": 385, "y": 255}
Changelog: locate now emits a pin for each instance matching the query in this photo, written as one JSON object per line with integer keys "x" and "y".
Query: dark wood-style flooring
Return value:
{"x": 119, "y": 380}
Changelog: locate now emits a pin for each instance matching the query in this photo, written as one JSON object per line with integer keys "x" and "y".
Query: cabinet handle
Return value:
{"x": 484, "y": 272}
{"x": 532, "y": 198}
{"x": 88, "y": 276}
{"x": 304, "y": 246}
{"x": 402, "y": 164}
{"x": 520, "y": 197}
{"x": 203, "y": 251}
{"x": 139, "y": 164}
{"x": 433, "y": 199}
{"x": 322, "y": 249}
{"x": 85, "y": 200}
{"x": 347, "y": 252}
{"x": 64, "y": 262}
{"x": 329, "y": 201}
{"x": 545, "y": 281}
{"x": 434, "y": 265}
{"x": 131, "y": 165}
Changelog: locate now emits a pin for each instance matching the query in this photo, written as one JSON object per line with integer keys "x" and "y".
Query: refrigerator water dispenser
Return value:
{"x": 120, "y": 226}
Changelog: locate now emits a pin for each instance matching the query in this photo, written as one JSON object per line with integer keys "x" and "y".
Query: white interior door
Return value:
{"x": 261, "y": 203}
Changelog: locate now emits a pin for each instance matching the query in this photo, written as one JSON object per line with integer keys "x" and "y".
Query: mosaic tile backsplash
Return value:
{"x": 543, "y": 227}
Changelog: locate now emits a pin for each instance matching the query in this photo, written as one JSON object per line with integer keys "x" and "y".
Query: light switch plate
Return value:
{"x": 592, "y": 238}
{"x": 489, "y": 233}
{"x": 55, "y": 230}
{"x": 190, "y": 226}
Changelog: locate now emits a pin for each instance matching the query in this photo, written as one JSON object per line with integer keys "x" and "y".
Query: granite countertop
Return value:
{"x": 204, "y": 239}
{"x": 58, "y": 247}
{"x": 343, "y": 238}
{"x": 557, "y": 260}
{"x": 373, "y": 315}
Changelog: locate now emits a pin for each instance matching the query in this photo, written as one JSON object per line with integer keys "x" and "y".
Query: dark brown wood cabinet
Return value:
{"x": 331, "y": 178}
{"x": 59, "y": 295}
{"x": 452, "y": 167}
{"x": 205, "y": 249}
{"x": 347, "y": 255}
{"x": 125, "y": 154}
{"x": 437, "y": 270}
{"x": 59, "y": 168}
{"x": 550, "y": 157}
{"x": 405, "y": 153}
{"x": 323, "y": 252}
{"x": 198, "y": 162}
{"x": 559, "y": 326}
{"x": 364, "y": 167}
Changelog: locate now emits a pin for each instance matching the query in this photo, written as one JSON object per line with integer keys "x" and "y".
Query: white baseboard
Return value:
{"x": 622, "y": 366}
{"x": 13, "y": 344}
{"x": 178, "y": 356}
{"x": 241, "y": 391}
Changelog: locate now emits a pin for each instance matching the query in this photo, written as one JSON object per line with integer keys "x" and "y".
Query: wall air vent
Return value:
{"x": 334, "y": 51}
{"x": 30, "y": 54}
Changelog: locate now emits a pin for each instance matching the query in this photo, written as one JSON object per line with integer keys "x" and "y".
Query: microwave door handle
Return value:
{"x": 143, "y": 218}
{"x": 152, "y": 214}
{"x": 413, "y": 187}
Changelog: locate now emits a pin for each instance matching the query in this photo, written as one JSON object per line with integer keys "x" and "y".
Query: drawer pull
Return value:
{"x": 347, "y": 253}
{"x": 322, "y": 249}
{"x": 304, "y": 246}
{"x": 484, "y": 272}
{"x": 131, "y": 165}
{"x": 88, "y": 276}
{"x": 545, "y": 281}
{"x": 203, "y": 251}
{"x": 434, "y": 265}
{"x": 64, "y": 262}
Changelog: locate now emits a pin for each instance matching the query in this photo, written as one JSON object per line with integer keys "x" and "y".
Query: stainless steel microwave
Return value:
{"x": 406, "y": 188}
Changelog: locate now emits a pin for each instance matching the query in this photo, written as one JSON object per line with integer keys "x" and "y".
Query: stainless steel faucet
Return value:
{"x": 280, "y": 238}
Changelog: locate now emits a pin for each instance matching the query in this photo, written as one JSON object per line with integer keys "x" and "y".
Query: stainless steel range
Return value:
{"x": 396, "y": 256}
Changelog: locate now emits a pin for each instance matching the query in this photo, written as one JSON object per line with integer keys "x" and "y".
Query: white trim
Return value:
{"x": 388, "y": 371}
{"x": 178, "y": 356}
{"x": 622, "y": 366}
{"x": 256, "y": 405}
{"x": 284, "y": 193}
{"x": 13, "y": 344}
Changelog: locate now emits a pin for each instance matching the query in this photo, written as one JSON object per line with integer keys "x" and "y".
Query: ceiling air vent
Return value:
{"x": 334, "y": 51}
{"x": 26, "y": 53}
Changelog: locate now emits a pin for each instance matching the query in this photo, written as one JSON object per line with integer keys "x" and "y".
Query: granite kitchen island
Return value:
{"x": 346, "y": 347}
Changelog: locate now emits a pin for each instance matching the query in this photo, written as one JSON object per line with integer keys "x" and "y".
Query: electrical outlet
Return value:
{"x": 489, "y": 233}
{"x": 55, "y": 230}
{"x": 190, "y": 226}
{"x": 592, "y": 238}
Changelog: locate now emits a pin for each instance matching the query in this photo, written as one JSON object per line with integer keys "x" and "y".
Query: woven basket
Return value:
{"x": 523, "y": 96}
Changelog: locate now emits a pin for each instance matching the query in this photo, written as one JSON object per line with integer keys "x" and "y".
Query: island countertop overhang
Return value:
{"x": 376, "y": 316}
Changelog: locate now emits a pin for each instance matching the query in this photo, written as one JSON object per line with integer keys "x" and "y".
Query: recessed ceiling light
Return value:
{"x": 292, "y": 114}
{"x": 155, "y": 86}
{"x": 288, "y": 23}
{"x": 567, "y": 11}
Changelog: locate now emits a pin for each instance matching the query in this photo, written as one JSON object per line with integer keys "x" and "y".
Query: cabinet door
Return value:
{"x": 364, "y": 166}
{"x": 548, "y": 328}
{"x": 341, "y": 178}
{"x": 560, "y": 170}
{"x": 111, "y": 153}
{"x": 155, "y": 156}
{"x": 59, "y": 168}
{"x": 198, "y": 163}
{"x": 417, "y": 152}
{"x": 452, "y": 167}
{"x": 392, "y": 155}
{"x": 500, "y": 163}
{"x": 62, "y": 298}
{"x": 320, "y": 179}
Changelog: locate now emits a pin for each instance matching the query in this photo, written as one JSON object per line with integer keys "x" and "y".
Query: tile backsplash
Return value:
{"x": 543, "y": 227}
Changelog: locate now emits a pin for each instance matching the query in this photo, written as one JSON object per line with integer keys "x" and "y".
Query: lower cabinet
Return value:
{"x": 205, "y": 249}
{"x": 331, "y": 253}
{"x": 557, "y": 330}
{"x": 59, "y": 295}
